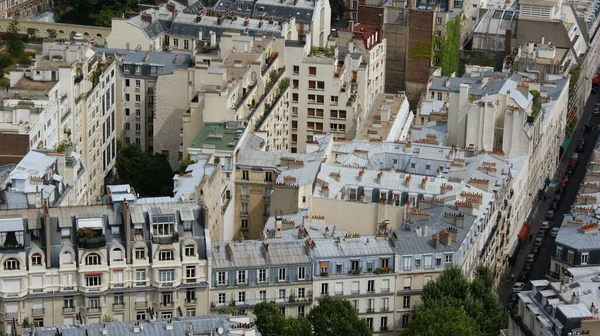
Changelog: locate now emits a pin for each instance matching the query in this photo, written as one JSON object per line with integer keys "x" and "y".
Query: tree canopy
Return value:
{"x": 453, "y": 291}
{"x": 331, "y": 317}
{"x": 338, "y": 8}
{"x": 149, "y": 174}
{"x": 14, "y": 45}
{"x": 97, "y": 12}
{"x": 442, "y": 320}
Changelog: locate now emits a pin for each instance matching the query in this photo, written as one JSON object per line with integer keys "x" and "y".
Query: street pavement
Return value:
{"x": 542, "y": 262}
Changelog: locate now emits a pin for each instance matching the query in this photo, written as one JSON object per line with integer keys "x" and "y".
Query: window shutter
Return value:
{"x": 37, "y": 281}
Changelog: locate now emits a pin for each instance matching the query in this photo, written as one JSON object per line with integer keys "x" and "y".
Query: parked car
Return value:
{"x": 554, "y": 232}
{"x": 535, "y": 250}
{"x": 528, "y": 267}
{"x": 541, "y": 233}
{"x": 564, "y": 181}
{"x": 596, "y": 111}
{"x": 530, "y": 258}
{"x": 575, "y": 157}
{"x": 545, "y": 225}
{"x": 573, "y": 163}
{"x": 570, "y": 171}
{"x": 550, "y": 215}
{"x": 523, "y": 276}
{"x": 553, "y": 206}
{"x": 580, "y": 146}
{"x": 557, "y": 197}
{"x": 538, "y": 241}
{"x": 594, "y": 89}
{"x": 518, "y": 287}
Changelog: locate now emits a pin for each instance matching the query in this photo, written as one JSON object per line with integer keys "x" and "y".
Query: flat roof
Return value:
{"x": 27, "y": 84}
{"x": 376, "y": 128}
{"x": 218, "y": 136}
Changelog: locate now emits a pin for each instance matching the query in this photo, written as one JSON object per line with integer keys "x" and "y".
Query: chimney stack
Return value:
{"x": 127, "y": 227}
{"x": 213, "y": 42}
{"x": 47, "y": 235}
{"x": 278, "y": 225}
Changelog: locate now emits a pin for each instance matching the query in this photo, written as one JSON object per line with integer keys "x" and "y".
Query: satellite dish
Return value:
{"x": 220, "y": 331}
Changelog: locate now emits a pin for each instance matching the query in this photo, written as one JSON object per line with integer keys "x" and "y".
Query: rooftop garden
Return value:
{"x": 537, "y": 104}
{"x": 322, "y": 51}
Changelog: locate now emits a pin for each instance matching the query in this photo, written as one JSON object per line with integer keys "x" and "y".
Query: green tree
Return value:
{"x": 185, "y": 162}
{"x": 131, "y": 163}
{"x": 15, "y": 45}
{"x": 441, "y": 320}
{"x": 297, "y": 327}
{"x": 149, "y": 174}
{"x": 269, "y": 320}
{"x": 338, "y": 8}
{"x": 335, "y": 317}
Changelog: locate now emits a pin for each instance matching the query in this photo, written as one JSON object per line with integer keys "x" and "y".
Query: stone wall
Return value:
{"x": 63, "y": 30}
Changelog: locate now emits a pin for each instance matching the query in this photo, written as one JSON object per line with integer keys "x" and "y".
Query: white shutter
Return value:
{"x": 12, "y": 307}
{"x": 37, "y": 281}
{"x": 355, "y": 286}
{"x": 407, "y": 282}
{"x": 118, "y": 317}
{"x": 38, "y": 304}
{"x": 68, "y": 279}
{"x": 12, "y": 286}
{"x": 339, "y": 287}
{"x": 385, "y": 284}
{"x": 118, "y": 277}
{"x": 140, "y": 296}
{"x": 116, "y": 254}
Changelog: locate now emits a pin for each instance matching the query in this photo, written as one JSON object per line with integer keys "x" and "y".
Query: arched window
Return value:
{"x": 93, "y": 259}
{"x": 116, "y": 254}
{"x": 36, "y": 259}
{"x": 12, "y": 264}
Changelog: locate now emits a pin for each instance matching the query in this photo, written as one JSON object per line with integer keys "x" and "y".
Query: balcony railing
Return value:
{"x": 37, "y": 311}
{"x": 166, "y": 305}
{"x": 92, "y": 243}
{"x": 141, "y": 303}
{"x": 165, "y": 240}
{"x": 93, "y": 309}
{"x": 67, "y": 310}
{"x": 118, "y": 306}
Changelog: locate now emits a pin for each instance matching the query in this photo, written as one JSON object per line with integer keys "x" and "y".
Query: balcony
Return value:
{"x": 93, "y": 310}
{"x": 118, "y": 306}
{"x": 139, "y": 304}
{"x": 165, "y": 240}
{"x": 78, "y": 79}
{"x": 68, "y": 310}
{"x": 37, "y": 311}
{"x": 166, "y": 305}
{"x": 268, "y": 62}
{"x": 92, "y": 243}
{"x": 190, "y": 302}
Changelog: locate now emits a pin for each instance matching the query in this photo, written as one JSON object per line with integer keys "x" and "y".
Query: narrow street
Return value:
{"x": 542, "y": 262}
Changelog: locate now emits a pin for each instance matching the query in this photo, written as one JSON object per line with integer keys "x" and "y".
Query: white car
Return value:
{"x": 530, "y": 258}
{"x": 545, "y": 225}
{"x": 554, "y": 232}
{"x": 538, "y": 241}
{"x": 518, "y": 287}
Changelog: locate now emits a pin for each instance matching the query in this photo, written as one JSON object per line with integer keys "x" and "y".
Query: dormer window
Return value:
{"x": 36, "y": 259}
{"x": 117, "y": 254}
{"x": 190, "y": 250}
{"x": 12, "y": 264}
{"x": 140, "y": 253}
{"x": 163, "y": 225}
{"x": 11, "y": 233}
{"x": 93, "y": 259}
{"x": 166, "y": 255}
{"x": 126, "y": 66}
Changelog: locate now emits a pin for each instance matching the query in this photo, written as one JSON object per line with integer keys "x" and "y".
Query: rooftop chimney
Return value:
{"x": 47, "y": 235}
{"x": 278, "y": 225}
{"x": 171, "y": 7}
{"x": 127, "y": 224}
{"x": 213, "y": 38}
{"x": 260, "y": 23}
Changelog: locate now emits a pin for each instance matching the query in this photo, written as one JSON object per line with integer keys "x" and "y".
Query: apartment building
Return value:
{"x": 79, "y": 108}
{"x": 333, "y": 88}
{"x": 226, "y": 325}
{"x": 130, "y": 259}
{"x": 138, "y": 118}
{"x": 259, "y": 174}
{"x": 42, "y": 177}
{"x": 184, "y": 26}
{"x": 245, "y": 273}
{"x": 360, "y": 269}
{"x": 568, "y": 307}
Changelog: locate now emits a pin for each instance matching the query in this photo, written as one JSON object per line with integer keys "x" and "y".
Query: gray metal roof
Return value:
{"x": 252, "y": 254}
{"x": 572, "y": 237}
{"x": 361, "y": 246}
{"x": 209, "y": 324}
{"x": 163, "y": 63}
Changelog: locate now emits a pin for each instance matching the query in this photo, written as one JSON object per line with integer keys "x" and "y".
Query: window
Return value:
{"x": 95, "y": 280}
{"x": 448, "y": 258}
{"x": 244, "y": 225}
{"x": 262, "y": 275}
{"x": 166, "y": 299}
{"x": 166, "y": 276}
{"x": 315, "y": 113}
{"x": 417, "y": 263}
{"x": 36, "y": 259}
{"x": 301, "y": 273}
{"x": 370, "y": 322}
{"x": 140, "y": 316}
{"x": 190, "y": 272}
{"x": 325, "y": 289}
{"x": 406, "y": 302}
{"x": 244, "y": 192}
{"x": 127, "y": 126}
{"x": 407, "y": 283}
{"x": 190, "y": 295}
{"x": 140, "y": 277}
{"x": 438, "y": 33}
{"x": 281, "y": 294}
{"x": 190, "y": 312}
{"x": 384, "y": 323}
{"x": 268, "y": 177}
{"x": 337, "y": 128}
{"x": 294, "y": 97}
{"x": 296, "y": 69}
{"x": 241, "y": 296}
{"x": 127, "y": 82}
{"x": 559, "y": 250}
{"x": 92, "y": 259}
{"x": 355, "y": 265}
{"x": 281, "y": 274}
{"x": 127, "y": 112}
{"x": 385, "y": 262}
{"x": 282, "y": 310}
{"x": 138, "y": 98}
{"x": 222, "y": 298}
{"x": 337, "y": 114}
{"x": 312, "y": 71}
{"x": 371, "y": 286}
{"x": 301, "y": 311}
{"x": 262, "y": 295}
{"x": 438, "y": 261}
{"x": 176, "y": 42}
{"x": 439, "y": 20}
{"x": 407, "y": 263}
{"x": 324, "y": 267}
{"x": 338, "y": 268}
{"x": 118, "y": 299}
{"x": 186, "y": 44}
{"x": 127, "y": 97}
{"x": 138, "y": 112}
{"x": 245, "y": 175}
{"x": 190, "y": 250}
{"x": 584, "y": 258}
{"x": 69, "y": 302}
{"x": 244, "y": 210}
{"x": 570, "y": 256}
{"x": 137, "y": 82}
{"x": 94, "y": 303}
{"x": 405, "y": 319}
{"x": 301, "y": 292}
{"x": 439, "y": 94}
{"x": 242, "y": 277}
{"x": 166, "y": 255}
{"x": 334, "y": 100}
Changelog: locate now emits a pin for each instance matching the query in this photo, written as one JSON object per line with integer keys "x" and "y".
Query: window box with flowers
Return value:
{"x": 354, "y": 271}
{"x": 324, "y": 273}
{"x": 383, "y": 270}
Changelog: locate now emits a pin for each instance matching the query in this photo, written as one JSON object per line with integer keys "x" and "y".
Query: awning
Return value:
{"x": 93, "y": 273}
{"x": 566, "y": 143}
{"x": 524, "y": 231}
{"x": 547, "y": 182}
{"x": 118, "y": 270}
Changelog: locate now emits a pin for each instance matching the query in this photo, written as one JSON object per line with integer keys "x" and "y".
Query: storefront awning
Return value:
{"x": 566, "y": 143}
{"x": 524, "y": 231}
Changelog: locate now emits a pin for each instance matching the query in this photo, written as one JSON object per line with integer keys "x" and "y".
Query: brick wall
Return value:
{"x": 420, "y": 29}
{"x": 13, "y": 147}
{"x": 370, "y": 14}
